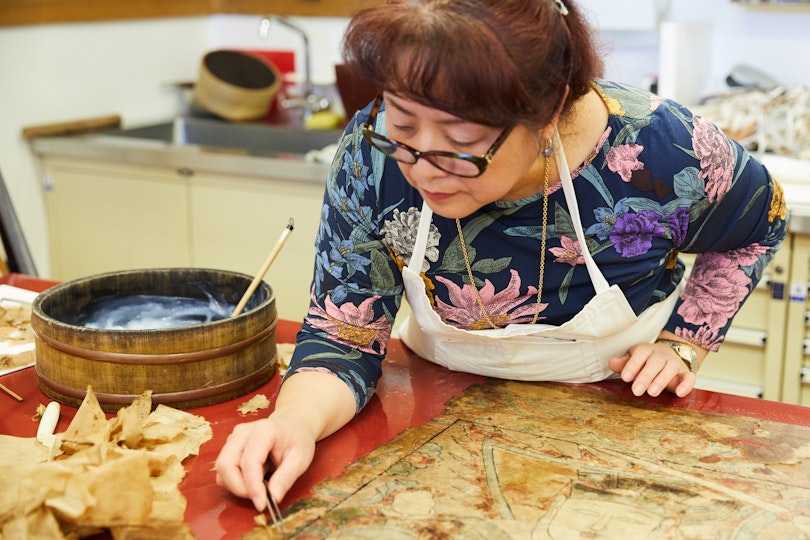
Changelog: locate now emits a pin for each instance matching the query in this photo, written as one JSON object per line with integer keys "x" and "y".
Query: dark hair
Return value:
{"x": 494, "y": 62}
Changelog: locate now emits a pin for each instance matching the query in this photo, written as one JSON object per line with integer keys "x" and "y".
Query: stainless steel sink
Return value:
{"x": 251, "y": 138}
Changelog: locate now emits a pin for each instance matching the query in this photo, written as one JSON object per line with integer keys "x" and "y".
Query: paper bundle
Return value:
{"x": 119, "y": 475}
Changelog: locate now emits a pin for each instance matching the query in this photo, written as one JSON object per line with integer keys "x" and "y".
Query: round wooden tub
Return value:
{"x": 185, "y": 367}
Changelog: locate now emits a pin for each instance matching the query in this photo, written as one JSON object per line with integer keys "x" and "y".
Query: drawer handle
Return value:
{"x": 742, "y": 336}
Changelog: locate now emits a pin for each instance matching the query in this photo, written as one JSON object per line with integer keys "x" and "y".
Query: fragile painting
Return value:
{"x": 542, "y": 461}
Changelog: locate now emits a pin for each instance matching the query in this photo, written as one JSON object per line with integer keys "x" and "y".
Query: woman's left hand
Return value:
{"x": 652, "y": 368}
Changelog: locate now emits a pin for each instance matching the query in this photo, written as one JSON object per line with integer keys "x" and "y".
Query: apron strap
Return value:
{"x": 420, "y": 244}
{"x": 600, "y": 284}
{"x": 598, "y": 280}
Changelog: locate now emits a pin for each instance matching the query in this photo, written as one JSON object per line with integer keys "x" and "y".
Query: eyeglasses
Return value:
{"x": 465, "y": 165}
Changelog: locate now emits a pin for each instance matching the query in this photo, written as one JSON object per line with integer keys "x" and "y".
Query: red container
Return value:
{"x": 285, "y": 63}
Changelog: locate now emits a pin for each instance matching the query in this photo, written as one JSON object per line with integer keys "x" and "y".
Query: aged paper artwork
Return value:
{"x": 541, "y": 461}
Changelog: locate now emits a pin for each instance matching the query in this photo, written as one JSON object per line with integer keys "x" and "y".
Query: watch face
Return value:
{"x": 688, "y": 355}
{"x": 686, "y": 352}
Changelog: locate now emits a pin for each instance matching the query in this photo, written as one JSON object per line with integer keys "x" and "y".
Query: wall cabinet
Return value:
{"x": 796, "y": 385}
{"x": 107, "y": 217}
{"x": 103, "y": 218}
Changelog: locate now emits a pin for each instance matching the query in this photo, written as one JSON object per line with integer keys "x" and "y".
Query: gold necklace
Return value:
{"x": 484, "y": 311}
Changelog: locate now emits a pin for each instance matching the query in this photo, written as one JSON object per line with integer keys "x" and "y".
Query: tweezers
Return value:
{"x": 275, "y": 512}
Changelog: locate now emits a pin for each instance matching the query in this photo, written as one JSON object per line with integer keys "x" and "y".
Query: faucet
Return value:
{"x": 309, "y": 103}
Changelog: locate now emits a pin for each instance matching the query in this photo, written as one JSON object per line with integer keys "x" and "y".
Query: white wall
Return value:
{"x": 775, "y": 40}
{"x": 54, "y": 73}
{"x": 61, "y": 72}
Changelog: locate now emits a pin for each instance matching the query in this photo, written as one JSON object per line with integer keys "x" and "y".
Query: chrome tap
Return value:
{"x": 309, "y": 102}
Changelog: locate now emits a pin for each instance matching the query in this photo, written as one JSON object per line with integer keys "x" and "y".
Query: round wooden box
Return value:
{"x": 184, "y": 367}
{"x": 236, "y": 85}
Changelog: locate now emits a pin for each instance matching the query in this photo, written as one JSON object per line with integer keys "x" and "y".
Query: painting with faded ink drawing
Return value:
{"x": 542, "y": 461}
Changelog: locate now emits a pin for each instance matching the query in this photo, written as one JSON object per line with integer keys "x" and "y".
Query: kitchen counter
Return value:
{"x": 411, "y": 392}
{"x": 187, "y": 143}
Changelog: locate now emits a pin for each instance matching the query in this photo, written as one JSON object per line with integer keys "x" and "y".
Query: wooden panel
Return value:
{"x": 319, "y": 8}
{"x": 24, "y": 12}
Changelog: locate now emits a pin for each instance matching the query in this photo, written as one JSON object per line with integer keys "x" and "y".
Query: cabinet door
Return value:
{"x": 751, "y": 360}
{"x": 236, "y": 222}
{"x": 797, "y": 336}
{"x": 104, "y": 217}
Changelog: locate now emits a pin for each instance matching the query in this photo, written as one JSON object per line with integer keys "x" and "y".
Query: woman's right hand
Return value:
{"x": 311, "y": 405}
{"x": 275, "y": 443}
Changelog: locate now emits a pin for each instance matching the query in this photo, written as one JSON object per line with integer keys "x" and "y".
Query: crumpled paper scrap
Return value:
{"x": 119, "y": 475}
{"x": 254, "y": 404}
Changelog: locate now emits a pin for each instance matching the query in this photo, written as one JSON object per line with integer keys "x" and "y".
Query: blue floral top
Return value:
{"x": 660, "y": 181}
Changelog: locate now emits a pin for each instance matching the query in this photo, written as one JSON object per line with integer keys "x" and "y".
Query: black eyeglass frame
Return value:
{"x": 482, "y": 162}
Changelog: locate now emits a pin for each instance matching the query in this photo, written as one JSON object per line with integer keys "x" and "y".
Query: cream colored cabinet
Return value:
{"x": 750, "y": 361}
{"x": 104, "y": 217}
{"x": 236, "y": 222}
{"x": 796, "y": 385}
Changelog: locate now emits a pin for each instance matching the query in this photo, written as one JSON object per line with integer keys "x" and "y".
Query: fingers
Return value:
{"x": 686, "y": 385}
{"x": 252, "y": 465}
{"x": 240, "y": 464}
{"x": 652, "y": 369}
{"x": 287, "y": 472}
{"x": 248, "y": 451}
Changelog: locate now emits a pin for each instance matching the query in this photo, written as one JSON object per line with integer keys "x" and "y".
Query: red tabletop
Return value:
{"x": 411, "y": 392}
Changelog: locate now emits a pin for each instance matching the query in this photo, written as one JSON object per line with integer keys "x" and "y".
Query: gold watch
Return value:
{"x": 684, "y": 351}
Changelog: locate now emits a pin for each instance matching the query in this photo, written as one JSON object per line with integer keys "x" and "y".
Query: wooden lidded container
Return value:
{"x": 185, "y": 367}
{"x": 236, "y": 85}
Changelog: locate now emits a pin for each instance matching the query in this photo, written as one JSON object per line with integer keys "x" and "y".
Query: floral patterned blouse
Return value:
{"x": 661, "y": 180}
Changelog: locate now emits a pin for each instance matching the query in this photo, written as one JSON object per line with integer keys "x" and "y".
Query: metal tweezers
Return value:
{"x": 275, "y": 513}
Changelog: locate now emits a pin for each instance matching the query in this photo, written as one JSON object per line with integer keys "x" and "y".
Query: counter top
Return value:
{"x": 411, "y": 392}
{"x": 187, "y": 157}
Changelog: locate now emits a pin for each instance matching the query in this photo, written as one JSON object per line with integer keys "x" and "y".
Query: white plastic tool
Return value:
{"x": 47, "y": 424}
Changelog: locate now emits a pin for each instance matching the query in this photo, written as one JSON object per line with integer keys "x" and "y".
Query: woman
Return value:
{"x": 530, "y": 212}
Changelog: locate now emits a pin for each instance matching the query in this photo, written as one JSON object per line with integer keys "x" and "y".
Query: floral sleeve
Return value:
{"x": 737, "y": 224}
{"x": 357, "y": 286}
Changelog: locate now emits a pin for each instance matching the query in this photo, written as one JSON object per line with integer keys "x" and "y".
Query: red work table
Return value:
{"x": 411, "y": 392}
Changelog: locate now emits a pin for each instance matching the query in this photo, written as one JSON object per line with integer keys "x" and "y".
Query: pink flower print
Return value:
{"x": 716, "y": 157}
{"x": 703, "y": 337}
{"x": 570, "y": 252}
{"x": 352, "y": 325}
{"x": 623, "y": 159}
{"x": 714, "y": 291}
{"x": 746, "y": 256}
{"x": 464, "y": 311}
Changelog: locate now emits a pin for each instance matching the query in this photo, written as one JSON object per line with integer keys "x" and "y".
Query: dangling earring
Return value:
{"x": 548, "y": 151}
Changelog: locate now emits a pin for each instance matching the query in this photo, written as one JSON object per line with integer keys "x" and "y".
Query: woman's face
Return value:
{"x": 516, "y": 170}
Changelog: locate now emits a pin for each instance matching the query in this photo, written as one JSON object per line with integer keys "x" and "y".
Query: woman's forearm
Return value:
{"x": 320, "y": 402}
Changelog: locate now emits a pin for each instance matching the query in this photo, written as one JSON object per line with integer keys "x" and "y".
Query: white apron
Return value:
{"x": 576, "y": 351}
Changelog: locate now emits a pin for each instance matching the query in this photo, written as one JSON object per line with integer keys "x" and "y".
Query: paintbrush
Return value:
{"x": 263, "y": 270}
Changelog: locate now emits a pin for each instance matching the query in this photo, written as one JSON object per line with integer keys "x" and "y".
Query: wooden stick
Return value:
{"x": 72, "y": 126}
{"x": 263, "y": 270}
{"x": 11, "y": 392}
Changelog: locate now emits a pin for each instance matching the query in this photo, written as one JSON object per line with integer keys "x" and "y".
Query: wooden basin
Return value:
{"x": 185, "y": 367}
